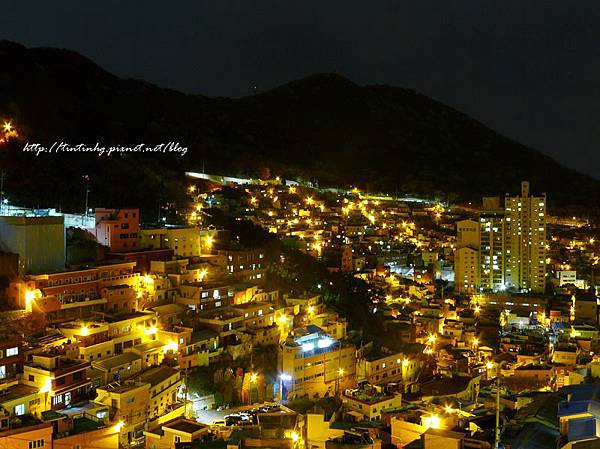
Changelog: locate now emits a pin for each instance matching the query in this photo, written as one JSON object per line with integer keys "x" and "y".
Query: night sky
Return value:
{"x": 530, "y": 70}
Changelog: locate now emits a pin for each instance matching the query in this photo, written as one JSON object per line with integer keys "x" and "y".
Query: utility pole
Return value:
{"x": 2, "y": 177}
{"x": 87, "y": 191}
{"x": 497, "y": 432}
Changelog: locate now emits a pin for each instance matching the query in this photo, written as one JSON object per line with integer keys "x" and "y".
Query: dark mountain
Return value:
{"x": 323, "y": 127}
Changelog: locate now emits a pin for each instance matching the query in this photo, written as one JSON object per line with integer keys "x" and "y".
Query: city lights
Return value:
{"x": 171, "y": 346}
{"x": 432, "y": 421}
{"x": 47, "y": 387}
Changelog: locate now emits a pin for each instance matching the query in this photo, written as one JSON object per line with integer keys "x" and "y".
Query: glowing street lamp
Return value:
{"x": 432, "y": 421}
{"x": 119, "y": 426}
{"x": 253, "y": 378}
{"x": 294, "y": 436}
{"x": 84, "y": 331}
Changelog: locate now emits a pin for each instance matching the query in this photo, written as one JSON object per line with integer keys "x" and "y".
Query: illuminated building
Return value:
{"x": 63, "y": 380}
{"x": 466, "y": 269}
{"x": 380, "y": 369}
{"x": 525, "y": 241}
{"x": 246, "y": 265}
{"x": 368, "y": 402}
{"x": 316, "y": 363}
{"x": 491, "y": 250}
{"x": 118, "y": 229}
{"x": 185, "y": 241}
{"x": 175, "y": 431}
{"x": 71, "y": 294}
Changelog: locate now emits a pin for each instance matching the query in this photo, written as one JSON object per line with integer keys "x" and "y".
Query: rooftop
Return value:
{"x": 117, "y": 360}
{"x": 157, "y": 375}
{"x": 184, "y": 425}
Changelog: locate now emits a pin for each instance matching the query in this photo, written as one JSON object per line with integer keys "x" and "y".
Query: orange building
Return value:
{"x": 27, "y": 437}
{"x": 118, "y": 229}
{"x": 72, "y": 294}
{"x": 101, "y": 438}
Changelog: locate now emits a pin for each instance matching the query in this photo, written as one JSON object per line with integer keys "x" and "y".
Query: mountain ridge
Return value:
{"x": 322, "y": 127}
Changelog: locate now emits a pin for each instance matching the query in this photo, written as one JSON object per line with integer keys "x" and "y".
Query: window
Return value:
{"x": 177, "y": 439}
{"x": 36, "y": 443}
{"x": 12, "y": 351}
{"x": 31, "y": 378}
{"x": 2, "y": 372}
{"x": 20, "y": 409}
{"x": 67, "y": 398}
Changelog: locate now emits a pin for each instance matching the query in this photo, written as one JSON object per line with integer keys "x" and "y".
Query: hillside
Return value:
{"x": 323, "y": 127}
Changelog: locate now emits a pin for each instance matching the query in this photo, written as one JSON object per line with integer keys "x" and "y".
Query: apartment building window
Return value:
{"x": 36, "y": 443}
{"x": 2, "y": 372}
{"x": 10, "y": 352}
{"x": 20, "y": 409}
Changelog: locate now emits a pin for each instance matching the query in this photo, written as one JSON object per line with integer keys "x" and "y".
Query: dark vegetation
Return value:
{"x": 323, "y": 128}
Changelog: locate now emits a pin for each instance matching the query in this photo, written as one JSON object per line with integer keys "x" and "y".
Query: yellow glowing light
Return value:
{"x": 475, "y": 342}
{"x": 139, "y": 295}
{"x": 311, "y": 309}
{"x": 432, "y": 338}
{"x": 198, "y": 207}
{"x": 192, "y": 189}
{"x": 7, "y": 127}
{"x": 341, "y": 372}
{"x": 253, "y": 377}
{"x": 148, "y": 280}
{"x": 47, "y": 387}
{"x": 404, "y": 363}
{"x": 30, "y": 297}
{"x": 253, "y": 200}
{"x": 489, "y": 365}
{"x": 448, "y": 409}
{"x": 171, "y": 346}
{"x": 119, "y": 425}
{"x": 84, "y": 331}
{"x": 294, "y": 436}
{"x": 203, "y": 274}
{"x": 310, "y": 200}
{"x": 209, "y": 240}
{"x": 283, "y": 319}
{"x": 592, "y": 240}
{"x": 292, "y": 189}
{"x": 477, "y": 309}
{"x": 151, "y": 330}
{"x": 432, "y": 421}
